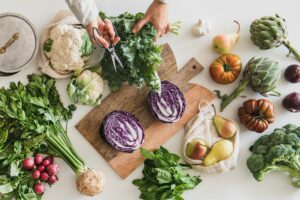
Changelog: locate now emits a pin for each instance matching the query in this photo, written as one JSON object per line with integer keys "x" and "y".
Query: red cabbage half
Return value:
{"x": 122, "y": 131}
{"x": 169, "y": 105}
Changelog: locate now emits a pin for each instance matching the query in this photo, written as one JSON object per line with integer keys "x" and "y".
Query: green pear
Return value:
{"x": 221, "y": 150}
{"x": 225, "y": 127}
{"x": 196, "y": 149}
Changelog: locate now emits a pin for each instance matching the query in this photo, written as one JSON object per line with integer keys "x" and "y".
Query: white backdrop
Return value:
{"x": 237, "y": 184}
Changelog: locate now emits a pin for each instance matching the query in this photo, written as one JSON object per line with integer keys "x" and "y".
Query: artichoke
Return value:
{"x": 271, "y": 32}
{"x": 261, "y": 74}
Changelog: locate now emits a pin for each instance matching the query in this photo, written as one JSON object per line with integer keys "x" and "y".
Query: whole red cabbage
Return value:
{"x": 169, "y": 105}
{"x": 122, "y": 131}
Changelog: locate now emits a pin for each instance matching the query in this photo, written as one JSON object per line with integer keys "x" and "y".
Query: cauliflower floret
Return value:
{"x": 87, "y": 88}
{"x": 65, "y": 54}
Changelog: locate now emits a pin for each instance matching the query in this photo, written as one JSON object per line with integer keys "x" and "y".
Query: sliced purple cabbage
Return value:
{"x": 169, "y": 105}
{"x": 122, "y": 131}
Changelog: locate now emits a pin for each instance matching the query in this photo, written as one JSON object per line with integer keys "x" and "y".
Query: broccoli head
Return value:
{"x": 279, "y": 151}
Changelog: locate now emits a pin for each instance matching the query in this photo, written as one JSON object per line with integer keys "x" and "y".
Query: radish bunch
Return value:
{"x": 43, "y": 170}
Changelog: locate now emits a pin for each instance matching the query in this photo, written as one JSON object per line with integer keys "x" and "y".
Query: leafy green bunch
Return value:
{"x": 164, "y": 177}
{"x": 31, "y": 119}
{"x": 139, "y": 54}
{"x": 279, "y": 151}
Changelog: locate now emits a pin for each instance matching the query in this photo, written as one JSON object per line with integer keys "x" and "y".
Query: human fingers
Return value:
{"x": 116, "y": 40}
{"x": 168, "y": 29}
{"x": 139, "y": 25}
{"x": 109, "y": 28}
{"x": 101, "y": 40}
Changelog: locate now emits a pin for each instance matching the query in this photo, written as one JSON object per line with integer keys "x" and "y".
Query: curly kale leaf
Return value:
{"x": 139, "y": 54}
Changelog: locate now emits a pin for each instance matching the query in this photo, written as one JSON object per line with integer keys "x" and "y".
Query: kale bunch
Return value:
{"x": 279, "y": 151}
{"x": 138, "y": 52}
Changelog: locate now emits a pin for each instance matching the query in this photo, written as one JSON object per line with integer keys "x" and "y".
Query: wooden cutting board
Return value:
{"x": 134, "y": 100}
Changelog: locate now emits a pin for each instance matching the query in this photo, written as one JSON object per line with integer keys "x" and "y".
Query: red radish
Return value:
{"x": 52, "y": 169}
{"x": 44, "y": 176}
{"x": 39, "y": 188}
{"x": 28, "y": 163}
{"x": 52, "y": 180}
{"x": 41, "y": 168}
{"x": 50, "y": 158}
{"x": 46, "y": 163}
{"x": 36, "y": 174}
{"x": 38, "y": 159}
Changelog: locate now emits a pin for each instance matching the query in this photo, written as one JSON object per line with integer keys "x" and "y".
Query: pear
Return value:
{"x": 225, "y": 127}
{"x": 221, "y": 150}
{"x": 196, "y": 149}
{"x": 223, "y": 43}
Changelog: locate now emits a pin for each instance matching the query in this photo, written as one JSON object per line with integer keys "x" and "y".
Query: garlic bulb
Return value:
{"x": 201, "y": 28}
{"x": 202, "y": 130}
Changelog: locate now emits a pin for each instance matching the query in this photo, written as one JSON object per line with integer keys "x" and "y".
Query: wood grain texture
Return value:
{"x": 134, "y": 100}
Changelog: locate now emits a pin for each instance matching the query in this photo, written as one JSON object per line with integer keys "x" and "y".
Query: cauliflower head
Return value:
{"x": 86, "y": 89}
{"x": 67, "y": 48}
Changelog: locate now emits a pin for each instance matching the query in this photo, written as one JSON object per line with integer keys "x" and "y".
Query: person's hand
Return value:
{"x": 158, "y": 15}
{"x": 106, "y": 29}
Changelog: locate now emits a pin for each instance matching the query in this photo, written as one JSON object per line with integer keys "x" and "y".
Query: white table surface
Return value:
{"x": 237, "y": 184}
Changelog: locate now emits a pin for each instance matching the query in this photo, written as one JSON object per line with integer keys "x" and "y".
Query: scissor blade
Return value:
{"x": 118, "y": 59}
{"x": 114, "y": 61}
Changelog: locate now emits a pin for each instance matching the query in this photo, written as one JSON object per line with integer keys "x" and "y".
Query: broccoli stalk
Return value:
{"x": 279, "y": 151}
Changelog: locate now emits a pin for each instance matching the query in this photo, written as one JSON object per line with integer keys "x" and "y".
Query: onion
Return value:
{"x": 292, "y": 102}
{"x": 292, "y": 73}
{"x": 169, "y": 105}
{"x": 122, "y": 131}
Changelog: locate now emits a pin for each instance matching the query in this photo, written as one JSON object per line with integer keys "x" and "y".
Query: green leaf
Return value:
{"x": 139, "y": 54}
{"x": 3, "y": 135}
{"x": 48, "y": 45}
{"x": 7, "y": 196}
{"x": 31, "y": 121}
{"x": 6, "y": 188}
{"x": 147, "y": 154}
{"x": 14, "y": 168}
{"x": 163, "y": 175}
{"x": 87, "y": 46}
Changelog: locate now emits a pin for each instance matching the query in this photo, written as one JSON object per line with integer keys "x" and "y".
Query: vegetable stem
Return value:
{"x": 292, "y": 49}
{"x": 226, "y": 100}
{"x": 66, "y": 153}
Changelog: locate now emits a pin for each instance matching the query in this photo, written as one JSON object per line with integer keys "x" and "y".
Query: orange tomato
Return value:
{"x": 226, "y": 68}
{"x": 257, "y": 114}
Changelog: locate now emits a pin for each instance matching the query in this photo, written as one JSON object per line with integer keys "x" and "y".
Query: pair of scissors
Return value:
{"x": 110, "y": 49}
